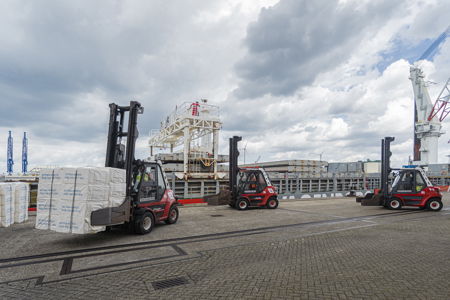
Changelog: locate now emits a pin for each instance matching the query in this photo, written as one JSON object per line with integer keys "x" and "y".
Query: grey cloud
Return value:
{"x": 57, "y": 52}
{"x": 294, "y": 41}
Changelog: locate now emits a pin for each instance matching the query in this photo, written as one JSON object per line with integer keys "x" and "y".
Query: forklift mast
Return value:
{"x": 234, "y": 169}
{"x": 117, "y": 154}
{"x": 385, "y": 163}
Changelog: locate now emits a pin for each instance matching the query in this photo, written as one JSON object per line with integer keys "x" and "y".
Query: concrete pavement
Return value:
{"x": 305, "y": 249}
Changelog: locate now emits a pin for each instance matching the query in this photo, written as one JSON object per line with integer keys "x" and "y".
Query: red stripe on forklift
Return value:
{"x": 191, "y": 201}
{"x": 182, "y": 201}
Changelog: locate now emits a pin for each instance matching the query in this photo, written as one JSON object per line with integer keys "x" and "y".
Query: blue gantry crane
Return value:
{"x": 24, "y": 154}
{"x": 10, "y": 160}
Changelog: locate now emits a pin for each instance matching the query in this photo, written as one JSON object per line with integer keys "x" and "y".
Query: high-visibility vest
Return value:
{"x": 138, "y": 178}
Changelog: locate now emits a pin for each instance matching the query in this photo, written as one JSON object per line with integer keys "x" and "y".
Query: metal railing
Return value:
{"x": 187, "y": 109}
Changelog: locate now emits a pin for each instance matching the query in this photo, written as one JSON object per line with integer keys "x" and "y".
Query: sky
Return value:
{"x": 294, "y": 78}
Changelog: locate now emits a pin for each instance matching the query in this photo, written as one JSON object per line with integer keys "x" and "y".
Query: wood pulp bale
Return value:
{"x": 21, "y": 200}
{"x": 67, "y": 197}
{"x": 7, "y": 194}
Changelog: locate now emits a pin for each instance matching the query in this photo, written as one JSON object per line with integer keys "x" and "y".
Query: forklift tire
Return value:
{"x": 434, "y": 205}
{"x": 272, "y": 203}
{"x": 242, "y": 204}
{"x": 144, "y": 223}
{"x": 394, "y": 203}
{"x": 172, "y": 218}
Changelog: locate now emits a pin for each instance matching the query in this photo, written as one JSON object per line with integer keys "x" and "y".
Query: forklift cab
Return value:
{"x": 150, "y": 183}
{"x": 251, "y": 182}
{"x": 409, "y": 181}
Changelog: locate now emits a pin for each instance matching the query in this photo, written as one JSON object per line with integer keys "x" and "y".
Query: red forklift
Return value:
{"x": 148, "y": 196}
{"x": 411, "y": 186}
{"x": 248, "y": 187}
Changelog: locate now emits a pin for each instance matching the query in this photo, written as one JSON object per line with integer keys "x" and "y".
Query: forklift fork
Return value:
{"x": 376, "y": 200}
{"x": 222, "y": 198}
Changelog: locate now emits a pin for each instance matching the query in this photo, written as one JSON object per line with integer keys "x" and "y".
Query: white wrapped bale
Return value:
{"x": 83, "y": 192}
{"x": 50, "y": 175}
{"x": 117, "y": 193}
{"x": 49, "y": 191}
{"x": 46, "y": 222}
{"x": 117, "y": 175}
{"x": 75, "y": 217}
{"x": 22, "y": 200}
{"x": 85, "y": 176}
{"x": 7, "y": 204}
{"x": 46, "y": 214}
{"x": 67, "y": 197}
{"x": 117, "y": 190}
{"x": 115, "y": 201}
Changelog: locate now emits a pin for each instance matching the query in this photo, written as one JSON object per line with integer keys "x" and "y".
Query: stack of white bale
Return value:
{"x": 22, "y": 201}
{"x": 47, "y": 198}
{"x": 7, "y": 192}
{"x": 67, "y": 196}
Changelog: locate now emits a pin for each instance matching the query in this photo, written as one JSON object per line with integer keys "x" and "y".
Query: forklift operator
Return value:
{"x": 409, "y": 181}
{"x": 139, "y": 176}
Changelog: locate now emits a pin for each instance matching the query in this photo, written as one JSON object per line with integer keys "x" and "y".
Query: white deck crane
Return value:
{"x": 427, "y": 125}
{"x": 186, "y": 124}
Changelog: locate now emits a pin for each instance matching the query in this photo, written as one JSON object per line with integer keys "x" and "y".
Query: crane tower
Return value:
{"x": 427, "y": 126}
{"x": 10, "y": 161}
{"x": 426, "y": 130}
{"x": 24, "y": 153}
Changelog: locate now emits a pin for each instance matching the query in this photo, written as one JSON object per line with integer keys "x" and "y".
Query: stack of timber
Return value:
{"x": 292, "y": 166}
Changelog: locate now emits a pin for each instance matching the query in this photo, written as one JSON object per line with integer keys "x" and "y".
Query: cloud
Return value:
{"x": 294, "y": 41}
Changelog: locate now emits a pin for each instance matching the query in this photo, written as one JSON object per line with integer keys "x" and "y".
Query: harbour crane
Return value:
{"x": 24, "y": 154}
{"x": 10, "y": 161}
{"x": 427, "y": 122}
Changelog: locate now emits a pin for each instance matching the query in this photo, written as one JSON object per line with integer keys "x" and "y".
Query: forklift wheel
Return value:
{"x": 173, "y": 215}
{"x": 394, "y": 203}
{"x": 144, "y": 223}
{"x": 241, "y": 204}
{"x": 272, "y": 203}
{"x": 434, "y": 205}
